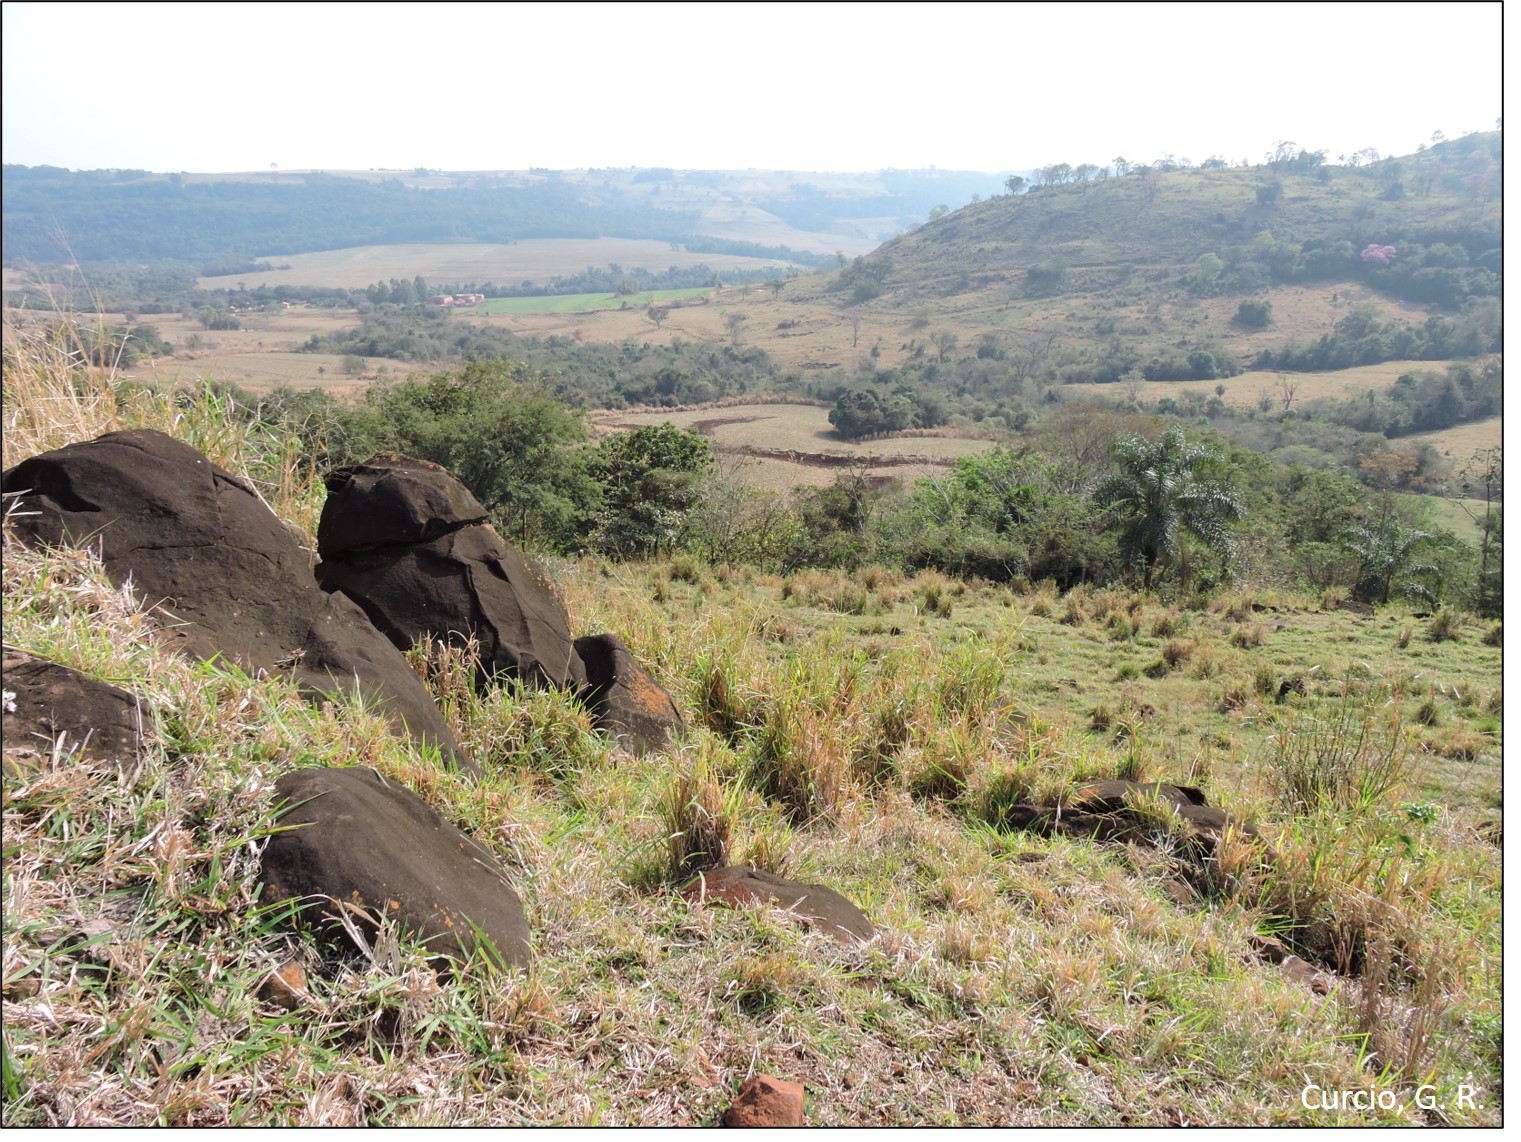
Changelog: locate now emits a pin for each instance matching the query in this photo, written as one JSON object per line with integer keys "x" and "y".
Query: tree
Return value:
{"x": 1015, "y": 183}
{"x": 1387, "y": 550}
{"x": 658, "y": 314}
{"x": 1121, "y": 165}
{"x": 1484, "y": 476}
{"x": 734, "y": 321}
{"x": 1163, "y": 490}
{"x": 652, "y": 478}
{"x": 938, "y": 212}
{"x": 944, "y": 341}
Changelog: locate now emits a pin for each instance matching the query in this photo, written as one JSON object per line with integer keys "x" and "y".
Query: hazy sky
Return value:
{"x": 219, "y": 87}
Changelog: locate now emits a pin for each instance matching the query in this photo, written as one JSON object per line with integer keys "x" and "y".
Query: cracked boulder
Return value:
{"x": 226, "y": 576}
{"x": 412, "y": 547}
{"x": 351, "y": 842}
{"x": 812, "y": 904}
{"x": 625, "y": 700}
{"x": 50, "y": 707}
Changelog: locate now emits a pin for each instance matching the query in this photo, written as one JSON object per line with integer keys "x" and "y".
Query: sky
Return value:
{"x": 814, "y": 87}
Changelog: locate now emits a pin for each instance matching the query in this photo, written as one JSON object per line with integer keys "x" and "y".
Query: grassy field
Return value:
{"x": 866, "y": 731}
{"x": 1245, "y": 390}
{"x": 533, "y": 259}
{"x": 586, "y": 302}
{"x": 1462, "y": 442}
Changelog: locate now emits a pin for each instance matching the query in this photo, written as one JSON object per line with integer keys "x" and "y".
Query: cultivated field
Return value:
{"x": 794, "y": 445}
{"x": 586, "y": 302}
{"x": 533, "y": 259}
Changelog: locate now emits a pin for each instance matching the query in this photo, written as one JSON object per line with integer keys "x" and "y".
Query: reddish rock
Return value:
{"x": 625, "y": 700}
{"x": 285, "y": 986}
{"x": 813, "y": 904}
{"x": 767, "y": 1101}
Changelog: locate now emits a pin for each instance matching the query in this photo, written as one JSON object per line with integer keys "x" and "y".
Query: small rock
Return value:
{"x": 766, "y": 1101}
{"x": 285, "y": 986}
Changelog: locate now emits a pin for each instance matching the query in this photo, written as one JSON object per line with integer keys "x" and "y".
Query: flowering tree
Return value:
{"x": 1373, "y": 252}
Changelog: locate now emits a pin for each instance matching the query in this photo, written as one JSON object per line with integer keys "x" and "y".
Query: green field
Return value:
{"x": 533, "y": 259}
{"x": 582, "y": 302}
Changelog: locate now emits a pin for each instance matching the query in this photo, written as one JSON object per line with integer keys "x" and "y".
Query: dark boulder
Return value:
{"x": 350, "y": 835}
{"x": 625, "y": 700}
{"x": 230, "y": 578}
{"x": 1133, "y": 810}
{"x": 408, "y": 542}
{"x": 44, "y": 701}
{"x": 813, "y": 904}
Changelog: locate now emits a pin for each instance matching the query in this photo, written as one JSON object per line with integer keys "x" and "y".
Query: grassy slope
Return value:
{"x": 1019, "y": 981}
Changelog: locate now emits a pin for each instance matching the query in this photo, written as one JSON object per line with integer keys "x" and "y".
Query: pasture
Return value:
{"x": 533, "y": 260}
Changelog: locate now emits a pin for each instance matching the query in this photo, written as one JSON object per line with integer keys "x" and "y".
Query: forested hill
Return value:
{"x": 53, "y": 215}
{"x": 1218, "y": 231}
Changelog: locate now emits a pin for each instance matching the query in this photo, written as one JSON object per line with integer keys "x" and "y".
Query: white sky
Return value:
{"x": 219, "y": 87}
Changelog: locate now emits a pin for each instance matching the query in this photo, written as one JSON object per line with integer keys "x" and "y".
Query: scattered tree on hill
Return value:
{"x": 1015, "y": 183}
{"x": 734, "y": 321}
{"x": 1163, "y": 490}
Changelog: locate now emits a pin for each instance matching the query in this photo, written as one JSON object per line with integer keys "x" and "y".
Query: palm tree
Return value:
{"x": 1387, "y": 550}
{"x": 1161, "y": 491}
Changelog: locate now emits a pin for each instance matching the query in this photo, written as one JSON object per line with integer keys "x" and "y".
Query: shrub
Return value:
{"x": 1176, "y": 652}
{"x": 1493, "y": 636}
{"x": 1446, "y": 625}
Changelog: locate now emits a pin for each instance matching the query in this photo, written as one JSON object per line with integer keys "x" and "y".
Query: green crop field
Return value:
{"x": 533, "y": 259}
{"x": 585, "y": 302}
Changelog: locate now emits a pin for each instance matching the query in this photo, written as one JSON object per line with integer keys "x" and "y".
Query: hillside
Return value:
{"x": 1147, "y": 269}
{"x": 881, "y": 733}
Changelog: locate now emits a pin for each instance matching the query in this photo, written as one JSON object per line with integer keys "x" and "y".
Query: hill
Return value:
{"x": 51, "y": 215}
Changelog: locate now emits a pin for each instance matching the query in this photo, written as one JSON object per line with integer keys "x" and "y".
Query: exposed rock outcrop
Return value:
{"x": 349, "y": 837}
{"x": 224, "y": 571}
{"x": 408, "y": 542}
{"x": 624, "y": 699}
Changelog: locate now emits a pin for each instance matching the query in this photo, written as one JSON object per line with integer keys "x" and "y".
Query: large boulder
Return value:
{"x": 231, "y": 579}
{"x": 349, "y": 838}
{"x": 812, "y": 904}
{"x": 408, "y": 542}
{"x": 625, "y": 700}
{"x": 49, "y": 706}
